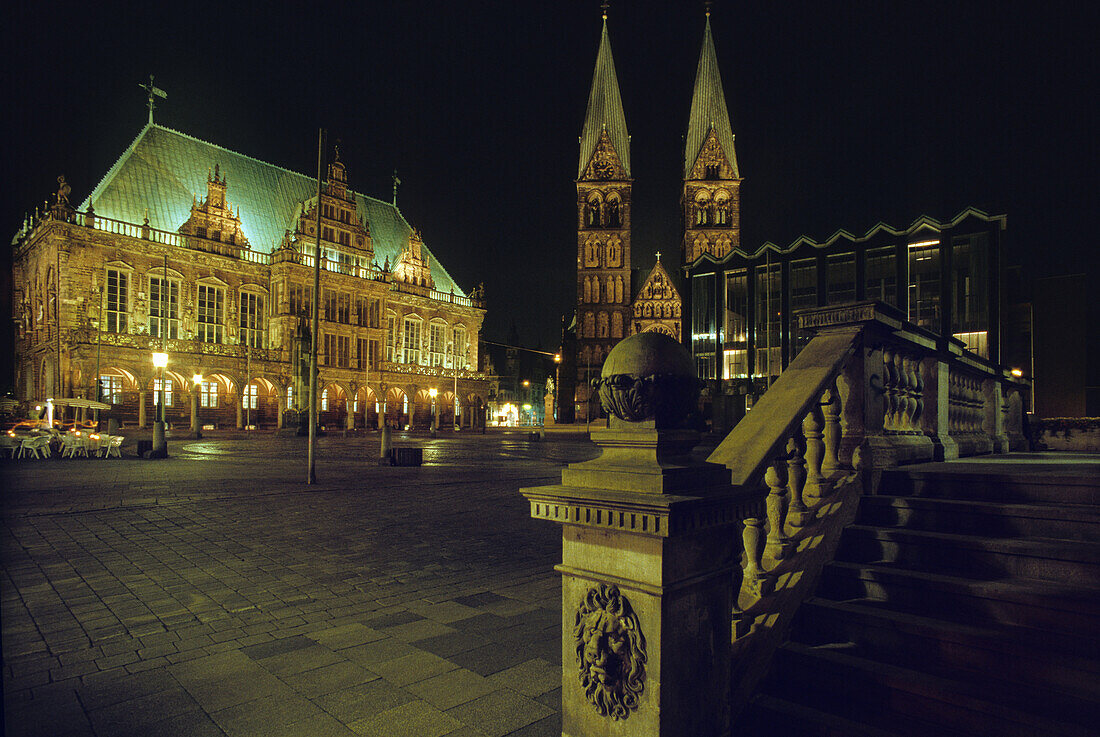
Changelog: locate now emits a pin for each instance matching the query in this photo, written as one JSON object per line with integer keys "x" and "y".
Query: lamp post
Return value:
{"x": 160, "y": 445}
{"x": 196, "y": 427}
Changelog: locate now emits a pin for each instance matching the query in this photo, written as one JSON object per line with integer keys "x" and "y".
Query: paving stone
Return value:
{"x": 532, "y": 678}
{"x": 480, "y": 599}
{"x": 413, "y": 719}
{"x": 452, "y": 688}
{"x": 548, "y": 727}
{"x": 500, "y": 713}
{"x": 196, "y": 723}
{"x": 277, "y": 647}
{"x": 443, "y": 612}
{"x": 135, "y": 715}
{"x": 391, "y": 620}
{"x": 378, "y": 652}
{"x": 265, "y": 715}
{"x": 412, "y": 668}
{"x": 489, "y": 659}
{"x": 329, "y": 678}
{"x": 362, "y": 701}
{"x": 37, "y": 720}
{"x": 449, "y": 644}
{"x": 418, "y": 630}
{"x": 347, "y": 635}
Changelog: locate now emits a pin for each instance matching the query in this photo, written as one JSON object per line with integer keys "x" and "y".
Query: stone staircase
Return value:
{"x": 965, "y": 600}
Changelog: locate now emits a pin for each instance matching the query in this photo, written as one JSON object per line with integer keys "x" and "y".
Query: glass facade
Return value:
{"x": 970, "y": 292}
{"x": 840, "y": 278}
{"x": 880, "y": 281}
{"x": 704, "y": 331}
{"x": 735, "y": 343}
{"x": 803, "y": 286}
{"x": 768, "y": 329}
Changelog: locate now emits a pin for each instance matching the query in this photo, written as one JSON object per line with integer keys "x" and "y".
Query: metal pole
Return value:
{"x": 99, "y": 346}
{"x": 59, "y": 391}
{"x": 312, "y": 475}
{"x": 248, "y": 388}
{"x": 163, "y": 330}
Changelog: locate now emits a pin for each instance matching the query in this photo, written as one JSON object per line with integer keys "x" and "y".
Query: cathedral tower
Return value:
{"x": 711, "y": 200}
{"x": 603, "y": 223}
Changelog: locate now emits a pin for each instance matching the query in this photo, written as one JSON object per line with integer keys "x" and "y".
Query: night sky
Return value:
{"x": 845, "y": 114}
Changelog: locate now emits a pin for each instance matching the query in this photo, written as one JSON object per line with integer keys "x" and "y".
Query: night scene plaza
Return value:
{"x": 214, "y": 593}
{"x": 587, "y": 368}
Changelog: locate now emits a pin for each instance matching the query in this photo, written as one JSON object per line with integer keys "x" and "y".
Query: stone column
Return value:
{"x": 240, "y": 411}
{"x": 349, "y": 421}
{"x": 141, "y": 409}
{"x": 195, "y": 428}
{"x": 280, "y": 401}
{"x": 651, "y": 546}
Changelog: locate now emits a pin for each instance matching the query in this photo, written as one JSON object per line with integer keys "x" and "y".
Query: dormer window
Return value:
{"x": 711, "y": 171}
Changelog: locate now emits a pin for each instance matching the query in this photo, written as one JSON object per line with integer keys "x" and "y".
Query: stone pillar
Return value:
{"x": 280, "y": 401}
{"x": 651, "y": 545}
{"x": 650, "y": 548}
{"x": 349, "y": 421}
{"x": 141, "y": 409}
{"x": 240, "y": 411}
{"x": 195, "y": 427}
{"x": 934, "y": 415}
{"x": 993, "y": 420}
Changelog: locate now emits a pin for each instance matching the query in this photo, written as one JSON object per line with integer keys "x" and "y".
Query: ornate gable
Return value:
{"x": 657, "y": 306}
{"x": 412, "y": 265}
{"x": 604, "y": 164}
{"x": 213, "y": 218}
{"x": 711, "y": 161}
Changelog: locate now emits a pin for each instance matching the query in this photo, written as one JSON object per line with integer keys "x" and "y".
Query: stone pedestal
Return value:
{"x": 650, "y": 549}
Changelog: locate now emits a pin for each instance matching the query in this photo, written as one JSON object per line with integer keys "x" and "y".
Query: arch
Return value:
{"x": 609, "y": 290}
{"x": 595, "y": 289}
{"x": 332, "y": 405}
{"x": 587, "y": 289}
{"x": 613, "y": 211}
{"x": 618, "y": 290}
{"x": 395, "y": 407}
{"x": 421, "y": 410}
{"x": 592, "y": 209}
{"x": 366, "y": 413}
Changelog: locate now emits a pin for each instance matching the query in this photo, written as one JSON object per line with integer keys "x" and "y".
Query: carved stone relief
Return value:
{"x": 611, "y": 652}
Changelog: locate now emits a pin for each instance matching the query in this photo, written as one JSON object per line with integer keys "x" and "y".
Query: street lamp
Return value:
{"x": 160, "y": 445}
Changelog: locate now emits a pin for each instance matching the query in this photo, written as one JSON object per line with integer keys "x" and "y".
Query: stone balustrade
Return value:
{"x": 868, "y": 392}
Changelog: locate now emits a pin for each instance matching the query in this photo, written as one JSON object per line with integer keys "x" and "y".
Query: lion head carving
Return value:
{"x": 610, "y": 652}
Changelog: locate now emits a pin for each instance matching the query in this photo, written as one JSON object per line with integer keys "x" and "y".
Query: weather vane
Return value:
{"x": 605, "y": 5}
{"x": 707, "y": 5}
{"x": 396, "y": 182}
{"x": 153, "y": 92}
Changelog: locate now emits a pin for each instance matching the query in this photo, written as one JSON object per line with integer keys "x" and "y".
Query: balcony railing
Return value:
{"x": 178, "y": 346}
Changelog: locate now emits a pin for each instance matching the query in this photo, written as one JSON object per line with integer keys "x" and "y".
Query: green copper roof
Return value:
{"x": 605, "y": 110}
{"x": 162, "y": 169}
{"x": 708, "y": 108}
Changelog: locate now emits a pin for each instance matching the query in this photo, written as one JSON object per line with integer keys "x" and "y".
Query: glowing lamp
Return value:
{"x": 1017, "y": 373}
{"x": 197, "y": 378}
{"x": 160, "y": 360}
{"x": 432, "y": 392}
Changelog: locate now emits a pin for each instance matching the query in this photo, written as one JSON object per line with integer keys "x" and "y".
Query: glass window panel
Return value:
{"x": 840, "y": 275}
{"x": 924, "y": 284}
{"x": 880, "y": 280}
{"x": 704, "y": 331}
{"x": 768, "y": 320}
{"x": 735, "y": 343}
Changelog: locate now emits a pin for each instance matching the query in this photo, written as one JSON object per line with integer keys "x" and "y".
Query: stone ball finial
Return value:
{"x": 648, "y": 376}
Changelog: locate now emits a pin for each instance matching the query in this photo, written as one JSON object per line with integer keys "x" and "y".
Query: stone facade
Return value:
{"x": 95, "y": 295}
{"x": 657, "y": 305}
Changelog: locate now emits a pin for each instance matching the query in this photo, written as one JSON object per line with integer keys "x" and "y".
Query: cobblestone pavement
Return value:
{"x": 215, "y": 593}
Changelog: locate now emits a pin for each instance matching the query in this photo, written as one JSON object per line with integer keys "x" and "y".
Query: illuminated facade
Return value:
{"x": 941, "y": 276}
{"x": 657, "y": 304}
{"x": 210, "y": 253}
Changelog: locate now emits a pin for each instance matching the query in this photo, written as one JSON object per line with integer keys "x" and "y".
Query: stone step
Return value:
{"x": 1065, "y": 618}
{"x": 769, "y": 716}
{"x": 1067, "y": 683}
{"x": 1021, "y": 485}
{"x": 1072, "y": 561}
{"x": 908, "y": 701}
{"x": 990, "y": 519}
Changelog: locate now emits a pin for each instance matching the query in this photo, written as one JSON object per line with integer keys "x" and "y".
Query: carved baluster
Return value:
{"x": 779, "y": 546}
{"x": 831, "y": 433}
{"x": 753, "y": 538}
{"x": 817, "y": 486}
{"x": 890, "y": 388}
{"x": 918, "y": 395}
{"x": 798, "y": 516}
{"x": 902, "y": 421}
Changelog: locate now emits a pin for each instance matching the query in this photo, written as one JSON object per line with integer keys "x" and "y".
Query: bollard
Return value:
{"x": 387, "y": 443}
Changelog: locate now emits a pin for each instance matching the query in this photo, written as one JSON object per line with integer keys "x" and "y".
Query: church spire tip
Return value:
{"x": 603, "y": 7}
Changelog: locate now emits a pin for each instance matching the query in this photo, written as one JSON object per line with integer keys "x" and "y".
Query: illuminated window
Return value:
{"x": 411, "y": 344}
{"x": 704, "y": 332}
{"x": 324, "y": 400}
{"x": 164, "y": 307}
{"x": 391, "y": 335}
{"x": 208, "y": 394}
{"x": 436, "y": 342}
{"x": 252, "y": 320}
{"x": 110, "y": 389}
{"x": 460, "y": 360}
{"x": 735, "y": 338}
{"x": 211, "y": 313}
{"x": 290, "y": 396}
{"x": 251, "y": 397}
{"x": 924, "y": 284}
{"x": 769, "y": 292}
{"x": 118, "y": 301}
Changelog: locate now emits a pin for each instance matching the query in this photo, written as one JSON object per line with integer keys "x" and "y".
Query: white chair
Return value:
{"x": 114, "y": 445}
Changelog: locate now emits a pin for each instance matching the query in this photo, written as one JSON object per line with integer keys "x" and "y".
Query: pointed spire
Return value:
{"x": 605, "y": 108}
{"x": 708, "y": 108}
